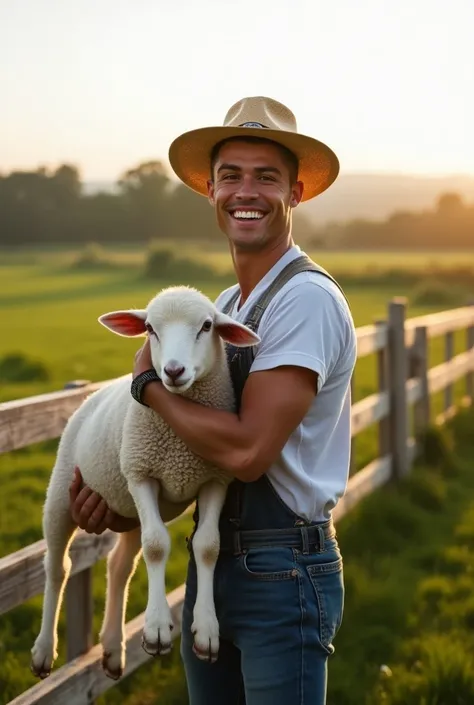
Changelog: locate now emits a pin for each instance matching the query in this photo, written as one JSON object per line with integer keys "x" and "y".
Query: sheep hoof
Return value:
{"x": 42, "y": 661}
{"x": 40, "y": 671}
{"x": 156, "y": 648}
{"x": 207, "y": 655}
{"x": 206, "y": 637}
{"x": 112, "y": 670}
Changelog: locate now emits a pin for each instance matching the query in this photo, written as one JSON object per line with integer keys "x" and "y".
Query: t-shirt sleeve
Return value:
{"x": 223, "y": 298}
{"x": 306, "y": 327}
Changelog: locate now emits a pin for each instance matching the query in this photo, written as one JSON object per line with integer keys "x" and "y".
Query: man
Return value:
{"x": 279, "y": 593}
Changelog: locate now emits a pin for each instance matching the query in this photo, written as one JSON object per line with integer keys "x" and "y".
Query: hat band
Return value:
{"x": 253, "y": 124}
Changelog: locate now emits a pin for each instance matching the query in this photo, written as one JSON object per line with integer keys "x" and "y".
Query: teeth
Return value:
{"x": 248, "y": 214}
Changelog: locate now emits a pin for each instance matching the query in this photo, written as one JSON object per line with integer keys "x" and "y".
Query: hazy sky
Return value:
{"x": 107, "y": 83}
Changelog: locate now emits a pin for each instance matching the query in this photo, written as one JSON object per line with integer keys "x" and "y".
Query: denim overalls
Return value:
{"x": 279, "y": 589}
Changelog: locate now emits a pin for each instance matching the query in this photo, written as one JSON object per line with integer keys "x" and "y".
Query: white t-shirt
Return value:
{"x": 308, "y": 323}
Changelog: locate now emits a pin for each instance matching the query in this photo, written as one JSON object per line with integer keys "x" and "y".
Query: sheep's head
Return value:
{"x": 186, "y": 334}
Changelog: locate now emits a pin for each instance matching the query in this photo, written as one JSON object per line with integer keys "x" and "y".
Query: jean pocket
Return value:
{"x": 327, "y": 580}
{"x": 269, "y": 563}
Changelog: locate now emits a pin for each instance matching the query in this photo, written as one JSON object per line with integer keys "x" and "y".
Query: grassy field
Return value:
{"x": 49, "y": 311}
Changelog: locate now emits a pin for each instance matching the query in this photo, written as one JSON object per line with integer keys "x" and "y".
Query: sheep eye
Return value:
{"x": 207, "y": 325}
{"x": 149, "y": 328}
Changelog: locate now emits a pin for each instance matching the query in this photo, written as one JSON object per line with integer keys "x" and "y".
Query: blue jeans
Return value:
{"x": 279, "y": 608}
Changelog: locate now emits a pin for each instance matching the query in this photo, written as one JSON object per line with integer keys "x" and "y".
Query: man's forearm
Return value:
{"x": 217, "y": 436}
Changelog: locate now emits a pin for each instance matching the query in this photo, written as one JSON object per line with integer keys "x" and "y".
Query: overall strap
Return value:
{"x": 241, "y": 359}
{"x": 300, "y": 264}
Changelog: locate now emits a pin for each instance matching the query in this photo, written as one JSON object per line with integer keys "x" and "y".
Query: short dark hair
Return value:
{"x": 289, "y": 158}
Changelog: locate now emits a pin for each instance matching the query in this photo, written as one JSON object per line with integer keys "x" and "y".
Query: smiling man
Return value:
{"x": 279, "y": 586}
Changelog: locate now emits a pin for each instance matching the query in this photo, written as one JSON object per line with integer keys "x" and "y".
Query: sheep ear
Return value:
{"x": 129, "y": 324}
{"x": 234, "y": 332}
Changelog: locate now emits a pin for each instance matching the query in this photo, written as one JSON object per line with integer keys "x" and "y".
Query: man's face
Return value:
{"x": 253, "y": 194}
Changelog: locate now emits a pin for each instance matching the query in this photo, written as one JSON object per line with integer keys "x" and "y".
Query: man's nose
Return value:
{"x": 247, "y": 188}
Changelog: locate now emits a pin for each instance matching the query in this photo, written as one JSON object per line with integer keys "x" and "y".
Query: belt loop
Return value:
{"x": 305, "y": 539}
{"x": 237, "y": 544}
{"x": 322, "y": 544}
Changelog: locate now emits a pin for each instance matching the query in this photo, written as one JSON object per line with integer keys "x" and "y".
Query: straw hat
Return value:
{"x": 189, "y": 154}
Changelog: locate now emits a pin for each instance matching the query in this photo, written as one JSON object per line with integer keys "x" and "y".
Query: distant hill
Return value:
{"x": 376, "y": 196}
{"x": 373, "y": 196}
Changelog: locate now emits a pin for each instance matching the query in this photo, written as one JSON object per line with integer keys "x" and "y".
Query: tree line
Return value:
{"x": 52, "y": 206}
{"x": 448, "y": 225}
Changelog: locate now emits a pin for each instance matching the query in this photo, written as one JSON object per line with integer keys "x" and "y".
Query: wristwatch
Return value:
{"x": 140, "y": 382}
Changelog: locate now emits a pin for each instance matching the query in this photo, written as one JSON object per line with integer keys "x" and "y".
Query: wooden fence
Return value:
{"x": 405, "y": 384}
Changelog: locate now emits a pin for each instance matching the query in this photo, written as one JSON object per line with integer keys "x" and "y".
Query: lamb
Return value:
{"x": 141, "y": 468}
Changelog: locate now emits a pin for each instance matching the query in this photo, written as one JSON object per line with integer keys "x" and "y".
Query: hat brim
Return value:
{"x": 189, "y": 156}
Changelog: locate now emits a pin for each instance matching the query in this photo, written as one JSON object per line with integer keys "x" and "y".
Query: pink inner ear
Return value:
{"x": 235, "y": 334}
{"x": 125, "y": 323}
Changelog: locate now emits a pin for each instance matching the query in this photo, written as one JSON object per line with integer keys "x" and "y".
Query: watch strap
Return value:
{"x": 140, "y": 382}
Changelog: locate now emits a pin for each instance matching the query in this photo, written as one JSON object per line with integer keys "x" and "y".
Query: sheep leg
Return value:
{"x": 121, "y": 565}
{"x": 206, "y": 544}
{"x": 156, "y": 549}
{"x": 58, "y": 530}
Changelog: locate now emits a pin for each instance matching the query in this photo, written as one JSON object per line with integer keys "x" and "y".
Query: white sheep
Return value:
{"x": 134, "y": 460}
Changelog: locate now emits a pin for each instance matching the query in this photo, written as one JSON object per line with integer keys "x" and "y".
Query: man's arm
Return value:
{"x": 273, "y": 404}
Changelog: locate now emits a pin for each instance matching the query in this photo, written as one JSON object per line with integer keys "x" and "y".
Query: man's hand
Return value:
{"x": 91, "y": 513}
{"x": 143, "y": 361}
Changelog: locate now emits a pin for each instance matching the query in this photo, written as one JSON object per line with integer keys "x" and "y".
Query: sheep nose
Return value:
{"x": 174, "y": 369}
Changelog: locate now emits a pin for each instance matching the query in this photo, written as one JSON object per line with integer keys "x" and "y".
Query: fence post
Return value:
{"x": 448, "y": 391}
{"x": 382, "y": 376}
{"x": 78, "y": 598}
{"x": 419, "y": 370}
{"x": 398, "y": 375}
{"x": 353, "y": 463}
{"x": 470, "y": 375}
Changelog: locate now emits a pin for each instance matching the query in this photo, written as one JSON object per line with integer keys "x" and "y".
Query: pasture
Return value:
{"x": 49, "y": 309}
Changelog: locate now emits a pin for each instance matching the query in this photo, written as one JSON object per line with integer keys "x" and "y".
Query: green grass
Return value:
{"x": 407, "y": 637}
{"x": 49, "y": 314}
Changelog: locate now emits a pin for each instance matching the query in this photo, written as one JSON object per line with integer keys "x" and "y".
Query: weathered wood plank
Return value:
{"x": 448, "y": 355}
{"x": 447, "y": 372}
{"x": 40, "y": 418}
{"x": 414, "y": 389}
{"x": 374, "y": 475}
{"x": 368, "y": 411}
{"x": 440, "y": 323}
{"x": 382, "y": 359}
{"x": 82, "y": 680}
{"x": 419, "y": 370}
{"x": 398, "y": 377}
{"x": 370, "y": 339}
{"x": 22, "y": 572}
{"x": 79, "y": 604}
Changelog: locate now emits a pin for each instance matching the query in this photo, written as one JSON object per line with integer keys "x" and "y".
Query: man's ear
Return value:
{"x": 296, "y": 194}
{"x": 210, "y": 192}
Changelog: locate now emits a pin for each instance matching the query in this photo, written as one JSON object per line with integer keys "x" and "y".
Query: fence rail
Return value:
{"x": 404, "y": 380}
